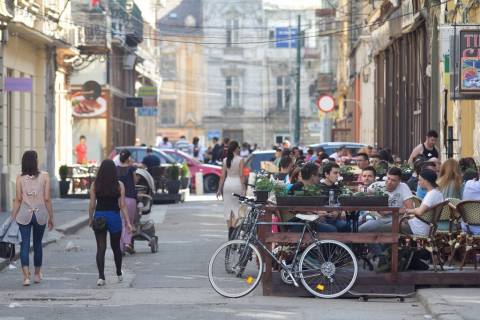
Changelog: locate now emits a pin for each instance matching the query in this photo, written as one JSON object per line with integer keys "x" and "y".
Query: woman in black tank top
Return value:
{"x": 107, "y": 201}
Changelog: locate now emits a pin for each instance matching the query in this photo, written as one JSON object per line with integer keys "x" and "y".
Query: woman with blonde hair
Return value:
{"x": 450, "y": 179}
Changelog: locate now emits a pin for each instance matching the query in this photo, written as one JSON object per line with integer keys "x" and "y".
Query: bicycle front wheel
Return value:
{"x": 235, "y": 269}
{"x": 328, "y": 269}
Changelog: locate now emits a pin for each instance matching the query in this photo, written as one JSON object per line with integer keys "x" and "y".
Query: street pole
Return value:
{"x": 299, "y": 61}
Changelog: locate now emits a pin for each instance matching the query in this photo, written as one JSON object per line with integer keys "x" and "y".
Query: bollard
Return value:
{"x": 199, "y": 183}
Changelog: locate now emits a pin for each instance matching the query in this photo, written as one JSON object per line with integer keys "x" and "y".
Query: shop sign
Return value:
{"x": 149, "y": 95}
{"x": 470, "y": 61}
{"x": 286, "y": 37}
{"x": 214, "y": 133}
{"x": 90, "y": 101}
{"x": 134, "y": 102}
{"x": 147, "y": 112}
{"x": 18, "y": 84}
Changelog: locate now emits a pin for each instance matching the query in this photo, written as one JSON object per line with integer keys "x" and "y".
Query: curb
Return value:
{"x": 438, "y": 307}
{"x": 54, "y": 236}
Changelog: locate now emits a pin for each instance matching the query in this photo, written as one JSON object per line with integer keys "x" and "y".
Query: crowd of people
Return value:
{"x": 422, "y": 176}
{"x": 214, "y": 153}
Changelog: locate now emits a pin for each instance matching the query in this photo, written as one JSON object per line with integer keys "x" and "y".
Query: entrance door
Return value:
{"x": 236, "y": 135}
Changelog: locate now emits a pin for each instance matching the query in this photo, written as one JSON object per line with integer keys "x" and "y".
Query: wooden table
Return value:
{"x": 265, "y": 235}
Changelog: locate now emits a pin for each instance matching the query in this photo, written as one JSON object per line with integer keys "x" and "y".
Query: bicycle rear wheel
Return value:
{"x": 235, "y": 269}
{"x": 328, "y": 269}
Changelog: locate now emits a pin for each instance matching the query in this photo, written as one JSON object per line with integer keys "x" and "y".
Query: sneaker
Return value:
{"x": 120, "y": 277}
{"x": 100, "y": 282}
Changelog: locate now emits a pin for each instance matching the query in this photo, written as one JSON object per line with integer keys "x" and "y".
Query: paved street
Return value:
{"x": 171, "y": 284}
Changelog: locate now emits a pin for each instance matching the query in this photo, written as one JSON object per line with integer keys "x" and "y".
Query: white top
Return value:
{"x": 397, "y": 197}
{"x": 432, "y": 198}
{"x": 471, "y": 192}
{"x": 334, "y": 156}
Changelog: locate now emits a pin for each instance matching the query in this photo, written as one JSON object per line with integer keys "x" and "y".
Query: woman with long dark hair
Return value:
{"x": 231, "y": 182}
{"x": 32, "y": 210}
{"x": 107, "y": 200}
{"x": 126, "y": 174}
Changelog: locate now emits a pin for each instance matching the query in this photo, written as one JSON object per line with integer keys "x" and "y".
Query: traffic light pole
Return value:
{"x": 299, "y": 61}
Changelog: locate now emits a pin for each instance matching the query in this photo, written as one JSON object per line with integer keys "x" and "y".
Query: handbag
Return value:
{"x": 7, "y": 250}
{"x": 99, "y": 224}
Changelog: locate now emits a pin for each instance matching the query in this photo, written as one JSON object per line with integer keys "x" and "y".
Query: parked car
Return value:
{"x": 331, "y": 147}
{"x": 211, "y": 173}
{"x": 253, "y": 162}
{"x": 138, "y": 153}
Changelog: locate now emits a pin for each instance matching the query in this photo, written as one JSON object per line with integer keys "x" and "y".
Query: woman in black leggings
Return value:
{"x": 107, "y": 200}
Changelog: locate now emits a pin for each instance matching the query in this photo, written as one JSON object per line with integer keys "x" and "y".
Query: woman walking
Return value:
{"x": 126, "y": 174}
{"x": 231, "y": 182}
{"x": 32, "y": 210}
{"x": 107, "y": 199}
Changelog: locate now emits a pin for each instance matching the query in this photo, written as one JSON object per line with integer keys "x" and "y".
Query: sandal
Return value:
{"x": 37, "y": 278}
{"x": 26, "y": 282}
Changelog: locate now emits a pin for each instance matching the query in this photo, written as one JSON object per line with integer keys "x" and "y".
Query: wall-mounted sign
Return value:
{"x": 470, "y": 61}
{"x": 91, "y": 101}
{"x": 326, "y": 103}
{"x": 149, "y": 95}
{"x": 214, "y": 134}
{"x": 147, "y": 112}
{"x": 134, "y": 102}
{"x": 286, "y": 37}
{"x": 18, "y": 84}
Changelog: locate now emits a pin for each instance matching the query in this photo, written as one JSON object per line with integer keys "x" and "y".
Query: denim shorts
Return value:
{"x": 114, "y": 221}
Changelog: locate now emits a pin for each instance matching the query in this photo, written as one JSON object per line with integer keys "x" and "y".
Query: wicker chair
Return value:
{"x": 427, "y": 242}
{"x": 417, "y": 202}
{"x": 470, "y": 213}
{"x": 448, "y": 229}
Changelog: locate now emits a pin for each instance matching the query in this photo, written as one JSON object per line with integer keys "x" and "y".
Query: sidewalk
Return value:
{"x": 451, "y": 303}
{"x": 69, "y": 214}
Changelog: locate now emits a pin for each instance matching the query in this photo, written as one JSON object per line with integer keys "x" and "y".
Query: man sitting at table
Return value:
{"x": 368, "y": 177}
{"x": 399, "y": 195}
{"x": 329, "y": 182}
{"x": 309, "y": 177}
{"x": 362, "y": 162}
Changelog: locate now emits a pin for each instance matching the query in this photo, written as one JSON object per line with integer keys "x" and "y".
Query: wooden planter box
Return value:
{"x": 317, "y": 201}
{"x": 379, "y": 201}
{"x": 261, "y": 196}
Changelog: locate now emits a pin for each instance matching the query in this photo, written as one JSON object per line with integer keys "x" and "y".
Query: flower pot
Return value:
{"x": 64, "y": 186}
{"x": 317, "y": 201}
{"x": 261, "y": 196}
{"x": 378, "y": 201}
{"x": 173, "y": 186}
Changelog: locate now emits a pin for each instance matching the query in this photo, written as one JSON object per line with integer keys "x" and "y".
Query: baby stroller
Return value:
{"x": 144, "y": 228}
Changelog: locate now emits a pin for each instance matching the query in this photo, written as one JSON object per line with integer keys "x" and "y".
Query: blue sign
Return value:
{"x": 286, "y": 37}
{"x": 147, "y": 112}
{"x": 214, "y": 133}
{"x": 133, "y": 102}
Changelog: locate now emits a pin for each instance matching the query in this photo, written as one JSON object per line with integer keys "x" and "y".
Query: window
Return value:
{"x": 167, "y": 113}
{"x": 283, "y": 92}
{"x": 233, "y": 26}
{"x": 232, "y": 85}
{"x": 168, "y": 66}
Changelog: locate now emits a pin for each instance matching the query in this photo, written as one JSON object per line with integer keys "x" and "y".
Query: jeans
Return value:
{"x": 38, "y": 231}
{"x": 317, "y": 226}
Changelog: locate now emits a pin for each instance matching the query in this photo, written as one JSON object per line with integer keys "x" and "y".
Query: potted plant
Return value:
{"x": 184, "y": 176}
{"x": 173, "y": 182}
{"x": 309, "y": 196}
{"x": 347, "y": 172}
{"x": 64, "y": 185}
{"x": 263, "y": 186}
{"x": 407, "y": 171}
{"x": 377, "y": 198}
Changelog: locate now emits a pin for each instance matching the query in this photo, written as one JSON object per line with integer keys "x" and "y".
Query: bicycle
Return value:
{"x": 326, "y": 268}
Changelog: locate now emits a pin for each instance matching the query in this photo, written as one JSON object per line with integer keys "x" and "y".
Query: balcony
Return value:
{"x": 7, "y": 10}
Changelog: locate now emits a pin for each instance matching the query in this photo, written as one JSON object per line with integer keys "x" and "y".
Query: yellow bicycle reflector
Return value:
{"x": 250, "y": 279}
{"x": 320, "y": 287}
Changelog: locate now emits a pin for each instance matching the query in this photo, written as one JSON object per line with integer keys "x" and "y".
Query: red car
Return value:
{"x": 211, "y": 173}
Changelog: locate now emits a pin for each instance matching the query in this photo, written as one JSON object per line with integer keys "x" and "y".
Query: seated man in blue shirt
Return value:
{"x": 151, "y": 160}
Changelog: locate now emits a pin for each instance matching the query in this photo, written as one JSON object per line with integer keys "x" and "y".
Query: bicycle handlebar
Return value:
{"x": 243, "y": 198}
